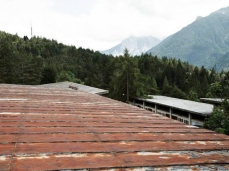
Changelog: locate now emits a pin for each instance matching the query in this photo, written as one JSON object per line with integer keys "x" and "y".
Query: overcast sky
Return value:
{"x": 101, "y": 24}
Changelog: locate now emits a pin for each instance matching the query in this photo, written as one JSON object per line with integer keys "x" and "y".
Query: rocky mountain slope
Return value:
{"x": 202, "y": 43}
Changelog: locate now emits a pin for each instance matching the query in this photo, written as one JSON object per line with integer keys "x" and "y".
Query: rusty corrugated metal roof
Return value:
{"x": 70, "y": 85}
{"x": 60, "y": 129}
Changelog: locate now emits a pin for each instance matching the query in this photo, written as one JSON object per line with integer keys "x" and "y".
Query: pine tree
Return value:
{"x": 7, "y": 62}
{"x": 125, "y": 82}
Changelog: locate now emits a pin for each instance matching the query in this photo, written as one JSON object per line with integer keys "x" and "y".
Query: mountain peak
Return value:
{"x": 199, "y": 17}
{"x": 224, "y": 11}
{"x": 201, "y": 43}
{"x": 135, "y": 45}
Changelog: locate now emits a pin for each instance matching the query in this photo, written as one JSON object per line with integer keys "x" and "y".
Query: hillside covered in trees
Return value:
{"x": 39, "y": 61}
{"x": 203, "y": 42}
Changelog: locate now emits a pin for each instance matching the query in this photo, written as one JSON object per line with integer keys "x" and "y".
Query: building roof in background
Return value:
{"x": 186, "y": 105}
{"x": 212, "y": 100}
{"x": 61, "y": 129}
{"x": 81, "y": 87}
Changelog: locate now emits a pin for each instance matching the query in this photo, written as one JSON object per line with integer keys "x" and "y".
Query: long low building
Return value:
{"x": 56, "y": 128}
{"x": 214, "y": 101}
{"x": 186, "y": 111}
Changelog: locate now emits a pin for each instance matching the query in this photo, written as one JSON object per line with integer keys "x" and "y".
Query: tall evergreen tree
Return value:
{"x": 180, "y": 76}
{"x": 7, "y": 62}
{"x": 126, "y": 79}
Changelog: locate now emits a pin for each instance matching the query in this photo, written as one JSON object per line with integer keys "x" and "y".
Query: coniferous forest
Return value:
{"x": 39, "y": 61}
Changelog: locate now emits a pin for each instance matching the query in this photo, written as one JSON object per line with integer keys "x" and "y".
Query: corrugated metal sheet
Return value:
{"x": 75, "y": 86}
{"x": 60, "y": 129}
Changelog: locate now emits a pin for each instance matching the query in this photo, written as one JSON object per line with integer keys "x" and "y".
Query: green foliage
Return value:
{"x": 48, "y": 76}
{"x": 215, "y": 90}
{"x": 154, "y": 86}
{"x": 7, "y": 64}
{"x": 150, "y": 85}
{"x": 219, "y": 119}
{"x": 68, "y": 76}
{"x": 39, "y": 61}
{"x": 193, "y": 96}
{"x": 172, "y": 91}
{"x": 165, "y": 83}
{"x": 167, "y": 90}
{"x": 125, "y": 82}
{"x": 215, "y": 121}
{"x": 178, "y": 93}
{"x": 180, "y": 75}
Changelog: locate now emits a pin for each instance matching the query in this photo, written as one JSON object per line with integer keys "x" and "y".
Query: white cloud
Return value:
{"x": 101, "y": 24}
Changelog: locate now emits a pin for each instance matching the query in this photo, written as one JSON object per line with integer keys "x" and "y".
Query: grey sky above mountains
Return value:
{"x": 101, "y": 24}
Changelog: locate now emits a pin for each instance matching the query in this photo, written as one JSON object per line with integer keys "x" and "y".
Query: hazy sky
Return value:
{"x": 101, "y": 24}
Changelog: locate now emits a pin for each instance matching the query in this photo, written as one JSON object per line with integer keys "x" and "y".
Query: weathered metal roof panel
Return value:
{"x": 75, "y": 86}
{"x": 60, "y": 129}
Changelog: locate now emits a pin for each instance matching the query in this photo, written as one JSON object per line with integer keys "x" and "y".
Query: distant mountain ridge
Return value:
{"x": 201, "y": 43}
{"x": 135, "y": 45}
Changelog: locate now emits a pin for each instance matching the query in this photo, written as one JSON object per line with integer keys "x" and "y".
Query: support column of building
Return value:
{"x": 155, "y": 108}
{"x": 170, "y": 112}
{"x": 143, "y": 105}
{"x": 134, "y": 102}
{"x": 189, "y": 118}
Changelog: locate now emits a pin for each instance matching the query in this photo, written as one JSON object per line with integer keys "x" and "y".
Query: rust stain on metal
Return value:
{"x": 79, "y": 137}
{"x": 78, "y": 147}
{"x": 65, "y": 161}
{"x": 4, "y": 163}
{"x": 61, "y": 129}
{"x": 157, "y": 159}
